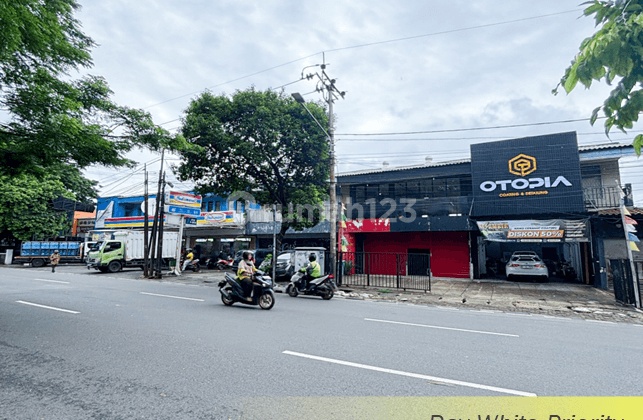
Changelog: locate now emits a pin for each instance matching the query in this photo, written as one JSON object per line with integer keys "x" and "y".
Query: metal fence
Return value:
{"x": 387, "y": 270}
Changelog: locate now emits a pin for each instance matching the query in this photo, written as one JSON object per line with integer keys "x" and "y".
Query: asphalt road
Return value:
{"x": 76, "y": 344}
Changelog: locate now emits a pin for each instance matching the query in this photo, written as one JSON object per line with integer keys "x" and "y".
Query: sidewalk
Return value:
{"x": 553, "y": 299}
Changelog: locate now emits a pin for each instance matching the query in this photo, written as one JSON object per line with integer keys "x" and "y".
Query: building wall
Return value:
{"x": 449, "y": 250}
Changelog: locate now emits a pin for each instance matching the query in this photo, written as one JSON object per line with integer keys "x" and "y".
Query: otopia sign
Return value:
{"x": 533, "y": 175}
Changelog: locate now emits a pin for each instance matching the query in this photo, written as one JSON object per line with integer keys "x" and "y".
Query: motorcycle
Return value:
{"x": 567, "y": 271}
{"x": 193, "y": 265}
{"x": 261, "y": 294}
{"x": 219, "y": 264}
{"x": 323, "y": 286}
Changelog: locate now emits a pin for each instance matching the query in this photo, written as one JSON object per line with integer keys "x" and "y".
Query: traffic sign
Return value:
{"x": 187, "y": 211}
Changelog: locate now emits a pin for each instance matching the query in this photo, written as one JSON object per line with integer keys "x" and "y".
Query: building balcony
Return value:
{"x": 606, "y": 197}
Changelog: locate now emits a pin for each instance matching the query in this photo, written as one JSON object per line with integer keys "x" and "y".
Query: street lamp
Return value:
{"x": 333, "y": 194}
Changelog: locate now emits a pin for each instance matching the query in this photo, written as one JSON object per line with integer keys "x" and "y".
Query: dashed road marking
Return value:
{"x": 440, "y": 328}
{"x": 413, "y": 375}
{"x": 53, "y": 281}
{"x": 47, "y": 307}
{"x": 173, "y": 297}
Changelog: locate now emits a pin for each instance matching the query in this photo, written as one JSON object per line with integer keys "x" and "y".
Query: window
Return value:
{"x": 413, "y": 189}
{"x": 384, "y": 191}
{"x": 112, "y": 246}
{"x": 400, "y": 190}
{"x": 217, "y": 206}
{"x": 591, "y": 176}
{"x": 372, "y": 191}
{"x": 439, "y": 188}
{"x": 426, "y": 188}
{"x": 360, "y": 193}
{"x": 210, "y": 205}
{"x": 453, "y": 187}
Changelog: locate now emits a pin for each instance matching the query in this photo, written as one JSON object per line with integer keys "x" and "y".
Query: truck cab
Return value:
{"x": 107, "y": 256}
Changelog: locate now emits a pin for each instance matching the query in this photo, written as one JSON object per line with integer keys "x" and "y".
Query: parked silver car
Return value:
{"x": 526, "y": 266}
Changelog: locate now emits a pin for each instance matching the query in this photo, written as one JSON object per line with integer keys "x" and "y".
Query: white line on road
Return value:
{"x": 53, "y": 281}
{"x": 600, "y": 322}
{"x": 173, "y": 297}
{"x": 413, "y": 375}
{"x": 47, "y": 307}
{"x": 440, "y": 328}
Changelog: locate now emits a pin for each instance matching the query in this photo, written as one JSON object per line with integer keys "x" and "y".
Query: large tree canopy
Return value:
{"x": 52, "y": 124}
{"x": 262, "y": 143}
{"x": 53, "y": 119}
{"x": 26, "y": 206}
{"x": 613, "y": 53}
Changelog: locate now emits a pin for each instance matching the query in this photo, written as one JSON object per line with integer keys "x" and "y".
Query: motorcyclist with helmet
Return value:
{"x": 312, "y": 271}
{"x": 244, "y": 273}
{"x": 188, "y": 259}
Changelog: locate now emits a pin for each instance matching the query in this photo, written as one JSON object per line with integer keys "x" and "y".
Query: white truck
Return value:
{"x": 125, "y": 248}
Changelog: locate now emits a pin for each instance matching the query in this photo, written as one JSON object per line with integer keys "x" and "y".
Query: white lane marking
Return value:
{"x": 600, "y": 322}
{"x": 173, "y": 297}
{"x": 412, "y": 375}
{"x": 53, "y": 281}
{"x": 440, "y": 328}
{"x": 47, "y": 307}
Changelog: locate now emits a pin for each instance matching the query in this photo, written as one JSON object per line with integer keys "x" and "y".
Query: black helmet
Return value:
{"x": 312, "y": 257}
{"x": 247, "y": 255}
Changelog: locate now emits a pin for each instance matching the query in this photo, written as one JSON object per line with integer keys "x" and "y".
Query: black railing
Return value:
{"x": 386, "y": 270}
{"x": 606, "y": 197}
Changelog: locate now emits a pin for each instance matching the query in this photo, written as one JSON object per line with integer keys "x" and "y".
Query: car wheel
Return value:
{"x": 38, "y": 262}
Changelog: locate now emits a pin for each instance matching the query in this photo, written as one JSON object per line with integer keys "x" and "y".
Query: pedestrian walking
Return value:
{"x": 55, "y": 259}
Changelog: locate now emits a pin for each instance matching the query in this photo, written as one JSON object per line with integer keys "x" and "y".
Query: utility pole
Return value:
{"x": 159, "y": 274}
{"x": 146, "y": 244}
{"x": 274, "y": 244}
{"x": 637, "y": 297}
{"x": 156, "y": 216}
{"x": 330, "y": 93}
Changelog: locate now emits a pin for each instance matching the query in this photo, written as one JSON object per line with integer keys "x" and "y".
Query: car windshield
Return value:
{"x": 96, "y": 246}
{"x": 284, "y": 257}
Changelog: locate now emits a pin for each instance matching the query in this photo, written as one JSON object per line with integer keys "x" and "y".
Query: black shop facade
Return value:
{"x": 527, "y": 195}
{"x": 470, "y": 215}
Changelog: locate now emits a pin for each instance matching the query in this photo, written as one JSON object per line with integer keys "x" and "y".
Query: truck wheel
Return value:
{"x": 114, "y": 267}
{"x": 37, "y": 262}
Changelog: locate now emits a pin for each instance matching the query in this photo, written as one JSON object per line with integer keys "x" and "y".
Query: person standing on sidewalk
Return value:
{"x": 55, "y": 259}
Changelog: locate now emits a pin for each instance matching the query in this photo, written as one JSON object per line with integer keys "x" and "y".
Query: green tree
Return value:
{"x": 261, "y": 143}
{"x": 26, "y": 207}
{"x": 56, "y": 125}
{"x": 614, "y": 53}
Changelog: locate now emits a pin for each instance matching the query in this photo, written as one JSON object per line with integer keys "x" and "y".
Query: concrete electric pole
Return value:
{"x": 330, "y": 93}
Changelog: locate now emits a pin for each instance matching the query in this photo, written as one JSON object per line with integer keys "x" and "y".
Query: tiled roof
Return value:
{"x": 634, "y": 211}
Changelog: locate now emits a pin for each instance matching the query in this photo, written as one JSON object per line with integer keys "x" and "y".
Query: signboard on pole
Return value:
{"x": 180, "y": 199}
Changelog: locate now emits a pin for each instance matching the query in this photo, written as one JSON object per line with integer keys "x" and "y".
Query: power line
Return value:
{"x": 455, "y": 130}
{"x": 452, "y": 31}
{"x": 367, "y": 45}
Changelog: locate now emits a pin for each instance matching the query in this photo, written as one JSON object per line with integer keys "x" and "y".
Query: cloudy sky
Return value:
{"x": 451, "y": 70}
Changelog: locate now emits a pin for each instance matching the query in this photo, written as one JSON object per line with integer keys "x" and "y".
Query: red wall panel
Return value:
{"x": 449, "y": 251}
